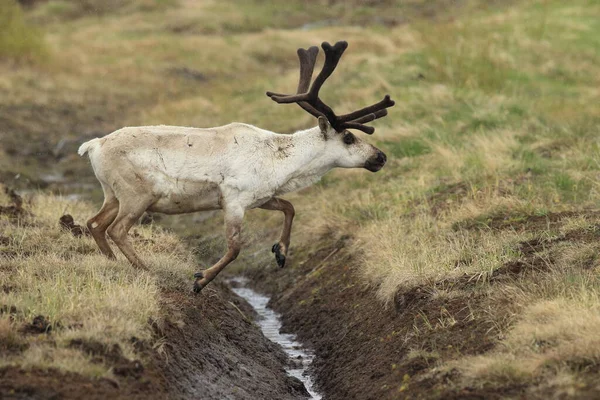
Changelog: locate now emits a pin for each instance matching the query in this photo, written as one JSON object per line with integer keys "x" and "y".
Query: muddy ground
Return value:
{"x": 212, "y": 350}
{"x": 367, "y": 351}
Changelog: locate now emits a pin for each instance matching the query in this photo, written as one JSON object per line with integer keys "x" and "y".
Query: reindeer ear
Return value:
{"x": 324, "y": 126}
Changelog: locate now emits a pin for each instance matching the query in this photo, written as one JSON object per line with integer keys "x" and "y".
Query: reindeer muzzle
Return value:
{"x": 376, "y": 162}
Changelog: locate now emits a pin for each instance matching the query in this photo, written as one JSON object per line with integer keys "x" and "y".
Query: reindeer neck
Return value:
{"x": 304, "y": 160}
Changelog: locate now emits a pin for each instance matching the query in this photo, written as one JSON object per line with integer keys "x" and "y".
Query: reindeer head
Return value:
{"x": 348, "y": 150}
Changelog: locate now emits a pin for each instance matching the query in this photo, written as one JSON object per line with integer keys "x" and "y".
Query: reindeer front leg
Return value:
{"x": 233, "y": 227}
{"x": 280, "y": 249}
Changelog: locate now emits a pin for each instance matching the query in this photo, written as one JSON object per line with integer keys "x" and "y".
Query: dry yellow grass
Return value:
{"x": 491, "y": 152}
{"x": 496, "y": 117}
{"x": 555, "y": 337}
{"x": 47, "y": 271}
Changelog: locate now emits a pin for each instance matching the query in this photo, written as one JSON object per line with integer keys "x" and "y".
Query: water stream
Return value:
{"x": 270, "y": 324}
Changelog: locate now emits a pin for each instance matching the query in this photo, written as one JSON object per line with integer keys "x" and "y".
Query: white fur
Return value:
{"x": 84, "y": 148}
{"x": 180, "y": 170}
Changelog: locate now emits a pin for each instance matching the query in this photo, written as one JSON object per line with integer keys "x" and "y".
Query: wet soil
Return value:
{"x": 367, "y": 350}
{"x": 211, "y": 349}
{"x": 37, "y": 384}
{"x": 270, "y": 324}
{"x": 220, "y": 353}
{"x": 363, "y": 349}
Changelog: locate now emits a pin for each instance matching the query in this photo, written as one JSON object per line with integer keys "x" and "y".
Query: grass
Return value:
{"x": 45, "y": 271}
{"x": 553, "y": 339}
{"x": 61, "y": 10}
{"x": 493, "y": 144}
{"x": 19, "y": 41}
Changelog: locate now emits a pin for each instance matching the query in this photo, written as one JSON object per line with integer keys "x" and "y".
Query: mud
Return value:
{"x": 14, "y": 210}
{"x": 367, "y": 350}
{"x": 67, "y": 223}
{"x": 38, "y": 325}
{"x": 220, "y": 353}
{"x": 363, "y": 349}
{"x": 270, "y": 324}
{"x": 211, "y": 349}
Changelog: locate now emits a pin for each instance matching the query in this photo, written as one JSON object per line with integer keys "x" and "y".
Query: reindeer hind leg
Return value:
{"x": 130, "y": 211}
{"x": 98, "y": 224}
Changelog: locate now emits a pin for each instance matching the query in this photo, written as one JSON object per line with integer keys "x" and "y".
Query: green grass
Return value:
{"x": 496, "y": 117}
{"x": 409, "y": 147}
{"x": 19, "y": 41}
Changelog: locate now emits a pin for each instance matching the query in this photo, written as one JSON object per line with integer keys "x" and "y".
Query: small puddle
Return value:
{"x": 270, "y": 324}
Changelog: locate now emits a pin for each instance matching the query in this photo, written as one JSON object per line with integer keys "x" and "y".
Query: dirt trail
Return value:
{"x": 212, "y": 350}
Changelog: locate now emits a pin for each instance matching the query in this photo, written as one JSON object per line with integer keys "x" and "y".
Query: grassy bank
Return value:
{"x": 500, "y": 161}
{"x": 75, "y": 325}
{"x": 493, "y": 147}
{"x": 54, "y": 282}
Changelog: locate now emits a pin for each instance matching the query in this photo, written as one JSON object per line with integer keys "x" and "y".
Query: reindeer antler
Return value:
{"x": 309, "y": 99}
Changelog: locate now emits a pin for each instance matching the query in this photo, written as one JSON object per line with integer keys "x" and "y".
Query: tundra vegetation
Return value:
{"x": 490, "y": 193}
{"x": 75, "y": 293}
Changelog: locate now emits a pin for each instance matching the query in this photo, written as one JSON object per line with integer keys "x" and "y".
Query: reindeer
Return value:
{"x": 236, "y": 167}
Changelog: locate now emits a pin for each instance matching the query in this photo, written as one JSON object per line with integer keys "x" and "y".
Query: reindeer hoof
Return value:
{"x": 197, "y": 287}
{"x": 280, "y": 258}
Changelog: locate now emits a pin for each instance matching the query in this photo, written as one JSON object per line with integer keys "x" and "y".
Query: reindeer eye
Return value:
{"x": 349, "y": 138}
